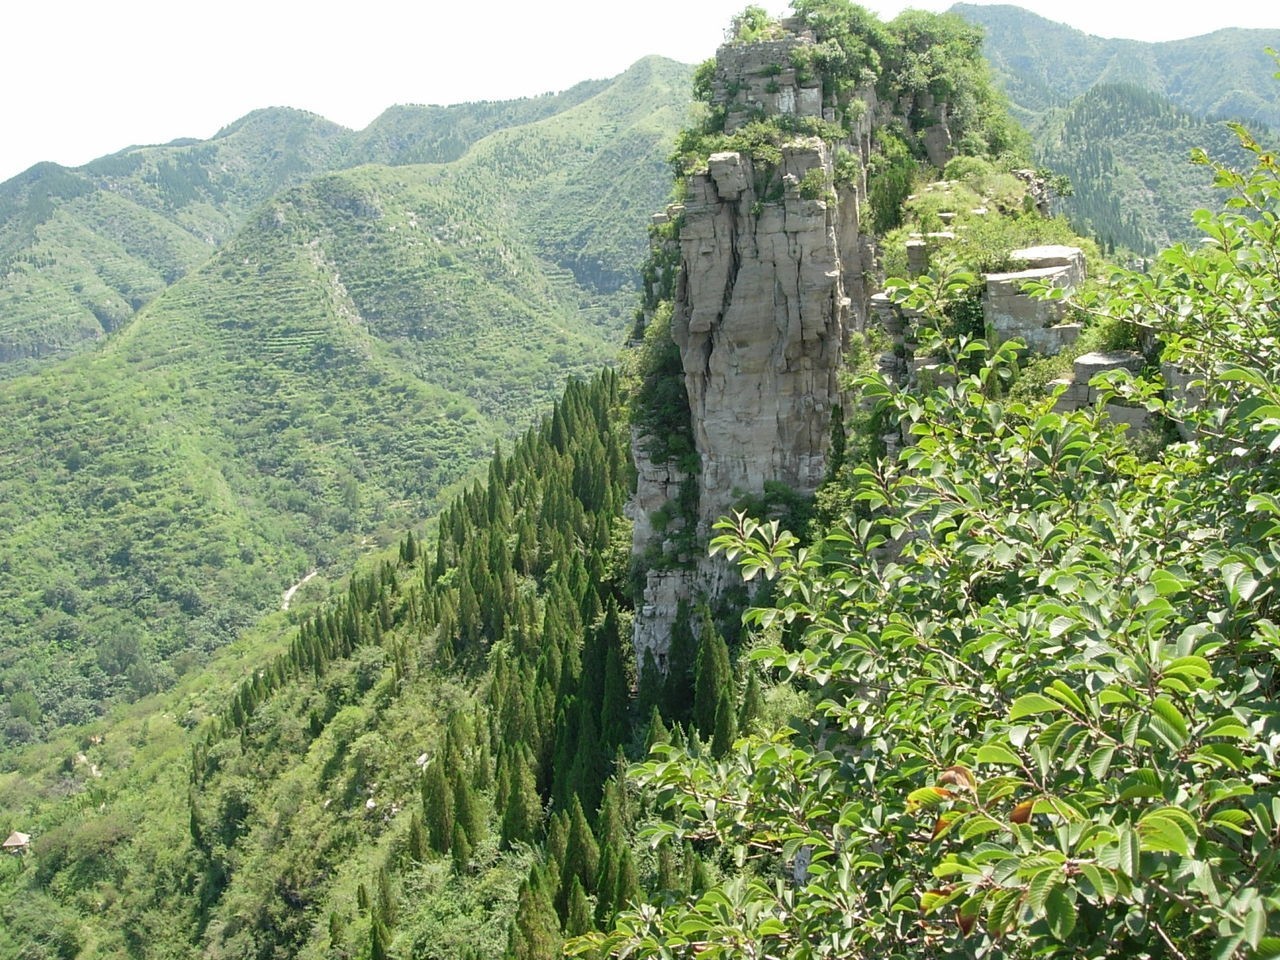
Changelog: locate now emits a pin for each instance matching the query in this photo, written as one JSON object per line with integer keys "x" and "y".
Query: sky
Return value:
{"x": 82, "y": 79}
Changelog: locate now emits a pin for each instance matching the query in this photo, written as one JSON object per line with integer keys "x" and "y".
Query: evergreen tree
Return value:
{"x": 379, "y": 939}
{"x": 418, "y": 843}
{"x": 677, "y": 701}
{"x": 580, "y": 918}
{"x": 521, "y": 811}
{"x": 713, "y": 676}
{"x": 437, "y": 806}
{"x": 535, "y": 932}
{"x": 460, "y": 849}
{"x": 725, "y": 729}
{"x": 752, "y": 703}
{"x": 582, "y": 853}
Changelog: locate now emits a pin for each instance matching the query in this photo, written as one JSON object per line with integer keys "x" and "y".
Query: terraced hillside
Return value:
{"x": 81, "y": 250}
{"x": 354, "y": 349}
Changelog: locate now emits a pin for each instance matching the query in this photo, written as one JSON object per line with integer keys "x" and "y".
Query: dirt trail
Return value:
{"x": 288, "y": 594}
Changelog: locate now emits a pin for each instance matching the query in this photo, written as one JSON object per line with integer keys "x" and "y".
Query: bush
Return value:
{"x": 1047, "y": 726}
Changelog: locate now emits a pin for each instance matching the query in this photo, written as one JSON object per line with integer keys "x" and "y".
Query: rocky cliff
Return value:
{"x": 772, "y": 265}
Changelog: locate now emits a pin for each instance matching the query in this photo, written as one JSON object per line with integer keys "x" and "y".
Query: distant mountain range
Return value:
{"x": 82, "y": 249}
{"x": 1120, "y": 117}
{"x": 299, "y": 355}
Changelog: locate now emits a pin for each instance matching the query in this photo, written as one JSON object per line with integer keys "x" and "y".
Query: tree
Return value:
{"x": 712, "y": 676}
{"x": 1041, "y": 667}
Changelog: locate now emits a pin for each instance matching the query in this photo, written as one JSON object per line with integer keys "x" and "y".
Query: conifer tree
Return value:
{"x": 626, "y": 887}
{"x": 460, "y": 849}
{"x": 582, "y": 853}
{"x": 437, "y": 806}
{"x": 521, "y": 810}
{"x": 580, "y": 918}
{"x": 713, "y": 676}
{"x": 677, "y": 705}
{"x": 725, "y": 729}
{"x": 418, "y": 844}
{"x": 752, "y": 703}
{"x": 535, "y": 932}
{"x": 379, "y": 939}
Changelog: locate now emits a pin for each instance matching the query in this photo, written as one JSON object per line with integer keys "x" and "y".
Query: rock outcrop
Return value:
{"x": 762, "y": 317}
{"x": 770, "y": 284}
{"x": 1012, "y": 313}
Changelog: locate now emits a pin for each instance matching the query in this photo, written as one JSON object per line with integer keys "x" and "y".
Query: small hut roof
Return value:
{"x": 16, "y": 839}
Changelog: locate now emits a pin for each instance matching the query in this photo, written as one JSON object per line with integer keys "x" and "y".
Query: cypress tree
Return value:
{"x": 752, "y": 704}
{"x": 460, "y": 849}
{"x": 726, "y": 725}
{"x": 614, "y": 727}
{"x": 649, "y": 695}
{"x": 582, "y": 853}
{"x": 677, "y": 698}
{"x": 579, "y": 920}
{"x": 669, "y": 878}
{"x": 535, "y": 932}
{"x": 386, "y": 906}
{"x": 521, "y": 810}
{"x": 417, "y": 839}
{"x": 466, "y": 810}
{"x": 379, "y": 939}
{"x": 657, "y": 733}
{"x": 712, "y": 677}
{"x": 437, "y": 806}
{"x": 627, "y": 888}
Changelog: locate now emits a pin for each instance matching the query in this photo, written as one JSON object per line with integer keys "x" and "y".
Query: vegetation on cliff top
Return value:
{"x": 1039, "y": 668}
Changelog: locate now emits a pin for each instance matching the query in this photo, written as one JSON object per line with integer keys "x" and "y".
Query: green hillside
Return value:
{"x": 1120, "y": 117}
{"x": 81, "y": 250}
{"x": 1126, "y": 152}
{"x": 1043, "y": 64}
{"x": 1007, "y": 692}
{"x": 358, "y": 346}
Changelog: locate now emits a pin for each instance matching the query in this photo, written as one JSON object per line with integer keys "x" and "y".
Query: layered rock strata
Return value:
{"x": 771, "y": 282}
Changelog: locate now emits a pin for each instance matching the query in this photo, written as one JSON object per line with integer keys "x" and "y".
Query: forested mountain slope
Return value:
{"x": 1120, "y": 117}
{"x": 356, "y": 347}
{"x": 1126, "y": 152}
{"x": 82, "y": 249}
{"x": 1044, "y": 64}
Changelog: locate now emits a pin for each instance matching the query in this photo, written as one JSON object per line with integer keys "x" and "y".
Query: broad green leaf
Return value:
{"x": 1060, "y": 911}
{"x": 1103, "y": 883}
{"x": 1168, "y": 724}
{"x": 1032, "y": 704}
{"x": 1064, "y": 694}
{"x": 1100, "y": 762}
{"x": 1166, "y": 830}
{"x": 1227, "y": 726}
{"x": 998, "y": 753}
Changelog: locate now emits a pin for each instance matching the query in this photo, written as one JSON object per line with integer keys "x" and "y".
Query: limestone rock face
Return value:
{"x": 760, "y": 79}
{"x": 762, "y": 318}
{"x": 1040, "y": 324}
{"x": 774, "y": 273}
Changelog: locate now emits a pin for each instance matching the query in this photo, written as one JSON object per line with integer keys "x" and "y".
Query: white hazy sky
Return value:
{"x": 80, "y": 79}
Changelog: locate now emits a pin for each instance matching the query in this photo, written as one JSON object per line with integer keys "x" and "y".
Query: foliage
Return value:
{"x": 1040, "y": 671}
{"x": 753, "y": 25}
{"x": 343, "y": 359}
{"x": 376, "y": 781}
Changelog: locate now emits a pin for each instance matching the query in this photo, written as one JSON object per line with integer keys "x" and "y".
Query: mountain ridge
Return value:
{"x": 136, "y": 220}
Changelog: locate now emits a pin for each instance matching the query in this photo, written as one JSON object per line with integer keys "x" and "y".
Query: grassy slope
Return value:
{"x": 356, "y": 348}
{"x": 81, "y": 250}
